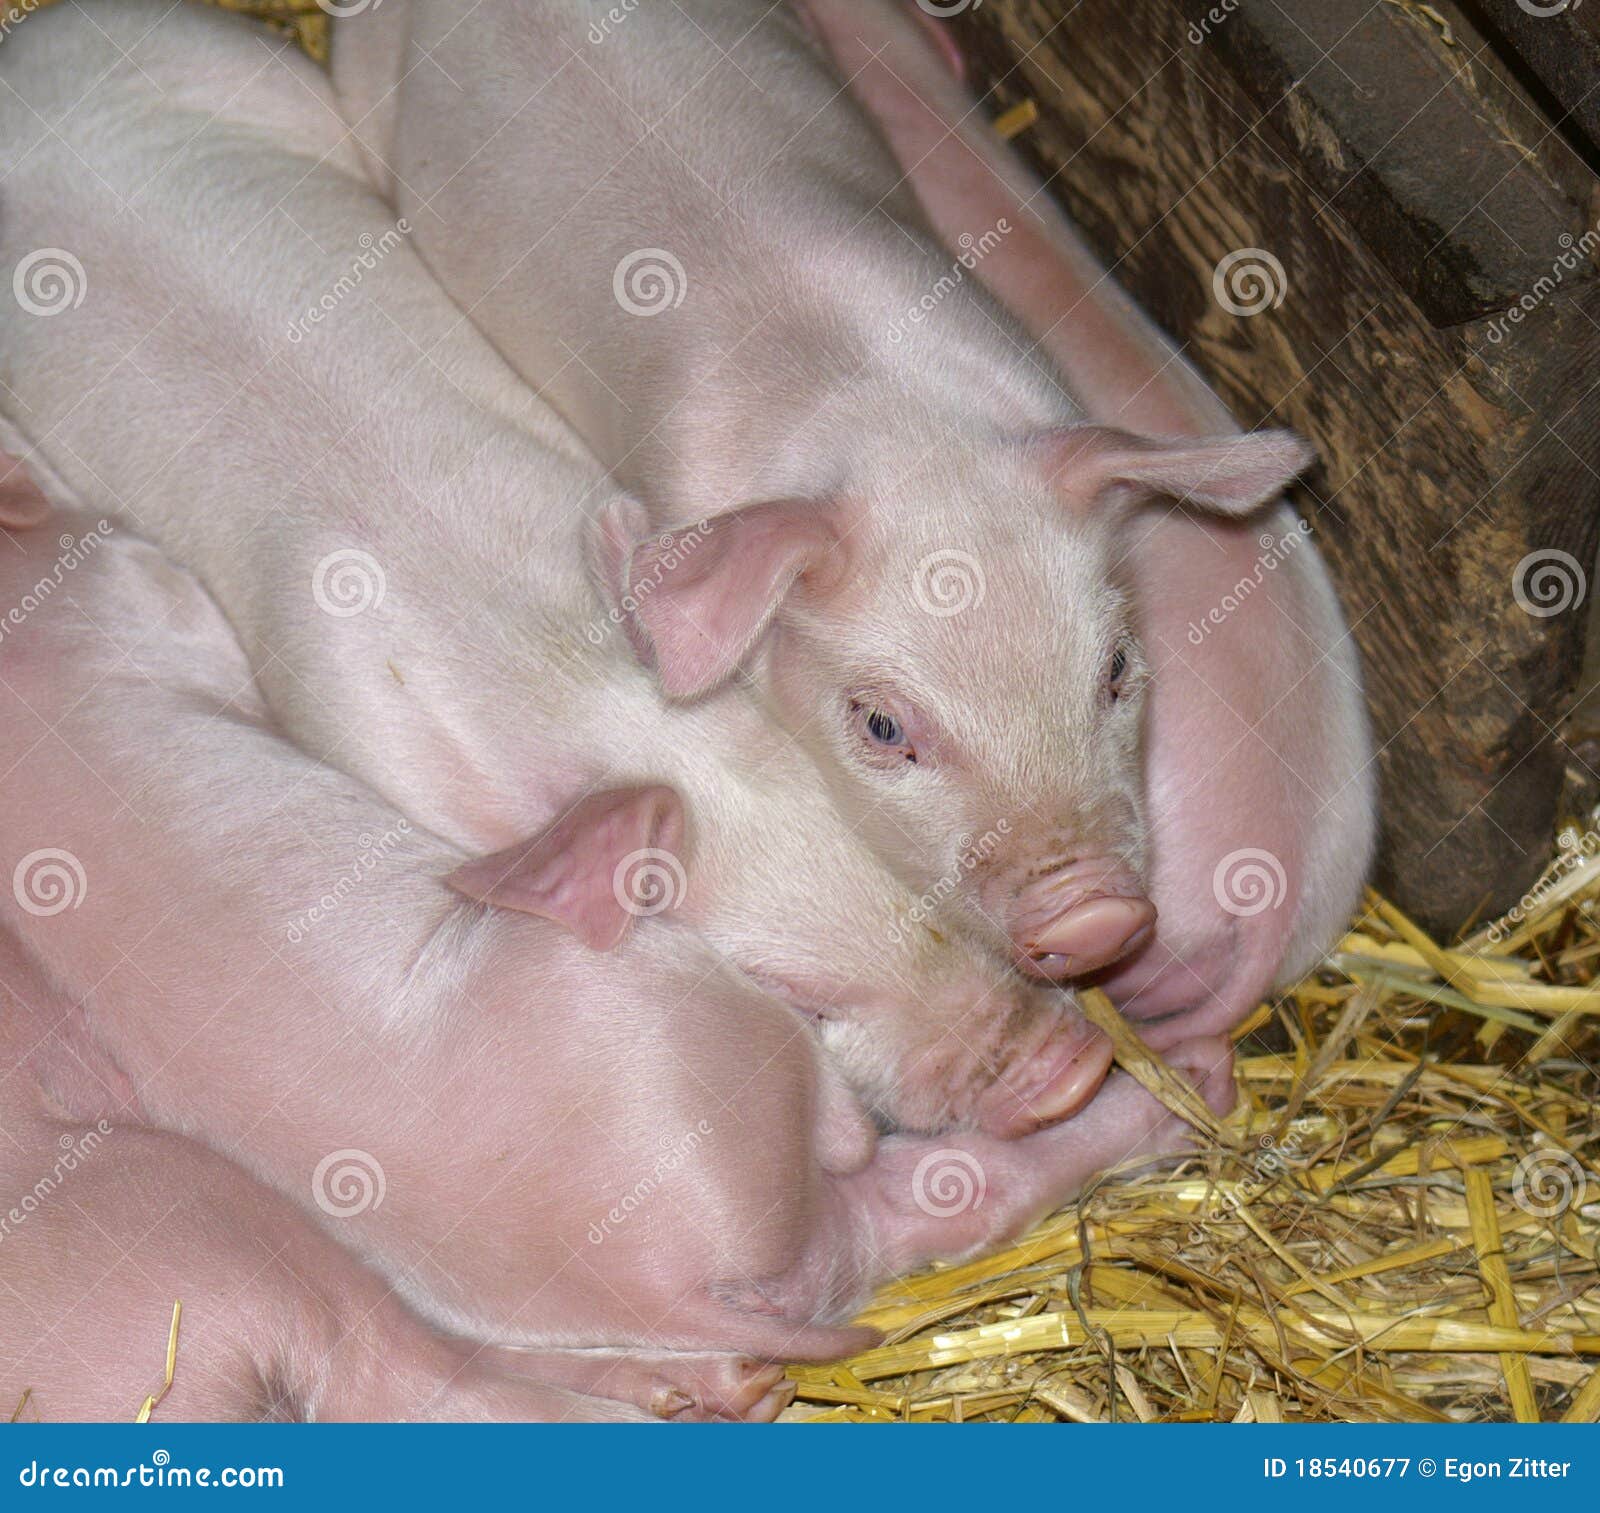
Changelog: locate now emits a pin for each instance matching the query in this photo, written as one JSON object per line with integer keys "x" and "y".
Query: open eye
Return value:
{"x": 882, "y": 733}
{"x": 884, "y": 729}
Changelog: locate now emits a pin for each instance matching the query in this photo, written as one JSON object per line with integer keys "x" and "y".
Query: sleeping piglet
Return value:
{"x": 1259, "y": 783}
{"x": 538, "y": 1146}
{"x": 424, "y": 565}
{"x": 673, "y": 222}
{"x": 110, "y": 1221}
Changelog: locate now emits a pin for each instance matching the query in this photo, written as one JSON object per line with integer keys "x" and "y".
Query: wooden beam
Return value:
{"x": 1457, "y": 443}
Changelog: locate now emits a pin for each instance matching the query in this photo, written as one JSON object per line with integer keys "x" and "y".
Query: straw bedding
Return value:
{"x": 1400, "y": 1222}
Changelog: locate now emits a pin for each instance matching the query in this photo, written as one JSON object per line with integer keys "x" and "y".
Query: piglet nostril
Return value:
{"x": 1090, "y": 935}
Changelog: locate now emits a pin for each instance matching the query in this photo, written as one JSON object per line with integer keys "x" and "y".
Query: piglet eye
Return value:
{"x": 882, "y": 732}
{"x": 884, "y": 729}
{"x": 1116, "y": 671}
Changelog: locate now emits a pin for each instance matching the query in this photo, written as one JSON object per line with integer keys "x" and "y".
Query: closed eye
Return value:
{"x": 1120, "y": 670}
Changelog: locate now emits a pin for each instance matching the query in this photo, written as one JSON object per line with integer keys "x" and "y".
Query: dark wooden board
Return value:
{"x": 1454, "y": 443}
{"x": 1558, "y": 42}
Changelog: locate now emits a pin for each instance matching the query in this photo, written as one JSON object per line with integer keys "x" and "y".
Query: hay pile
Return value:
{"x": 1401, "y": 1222}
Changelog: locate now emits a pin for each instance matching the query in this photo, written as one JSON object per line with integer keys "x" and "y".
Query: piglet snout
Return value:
{"x": 1081, "y": 919}
{"x": 1056, "y": 1082}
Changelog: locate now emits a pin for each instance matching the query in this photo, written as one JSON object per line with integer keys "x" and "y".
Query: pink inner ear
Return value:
{"x": 706, "y": 597}
{"x": 579, "y": 872}
{"x": 1231, "y": 475}
{"x": 21, "y": 502}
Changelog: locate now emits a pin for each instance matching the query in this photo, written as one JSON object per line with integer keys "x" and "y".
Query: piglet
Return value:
{"x": 672, "y": 221}
{"x": 1260, "y": 785}
{"x": 440, "y": 608}
{"x": 109, "y": 1222}
{"x": 537, "y": 1146}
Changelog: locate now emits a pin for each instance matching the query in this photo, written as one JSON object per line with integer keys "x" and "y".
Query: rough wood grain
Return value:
{"x": 1558, "y": 42}
{"x": 1451, "y": 451}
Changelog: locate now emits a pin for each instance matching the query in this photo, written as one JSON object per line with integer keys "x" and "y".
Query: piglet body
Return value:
{"x": 279, "y": 395}
{"x": 537, "y": 1146}
{"x": 109, "y": 1222}
{"x": 697, "y": 247}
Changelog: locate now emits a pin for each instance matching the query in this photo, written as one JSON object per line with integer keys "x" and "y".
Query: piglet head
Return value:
{"x": 611, "y": 858}
{"x": 956, "y": 644}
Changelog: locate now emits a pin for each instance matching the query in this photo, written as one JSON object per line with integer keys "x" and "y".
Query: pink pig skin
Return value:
{"x": 279, "y": 1322}
{"x": 694, "y": 245}
{"x": 281, "y": 397}
{"x": 512, "y": 1088}
{"x": 1257, "y": 736}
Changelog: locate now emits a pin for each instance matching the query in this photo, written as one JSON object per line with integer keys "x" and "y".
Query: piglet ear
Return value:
{"x": 21, "y": 502}
{"x": 610, "y": 859}
{"x": 704, "y": 596}
{"x": 608, "y": 547}
{"x": 1229, "y": 475}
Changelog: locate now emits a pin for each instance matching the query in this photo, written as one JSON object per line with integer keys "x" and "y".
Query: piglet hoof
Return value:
{"x": 686, "y": 1386}
{"x": 729, "y": 1387}
{"x": 1208, "y": 1064}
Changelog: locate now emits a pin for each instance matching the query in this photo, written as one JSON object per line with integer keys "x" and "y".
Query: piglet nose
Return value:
{"x": 1089, "y": 936}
